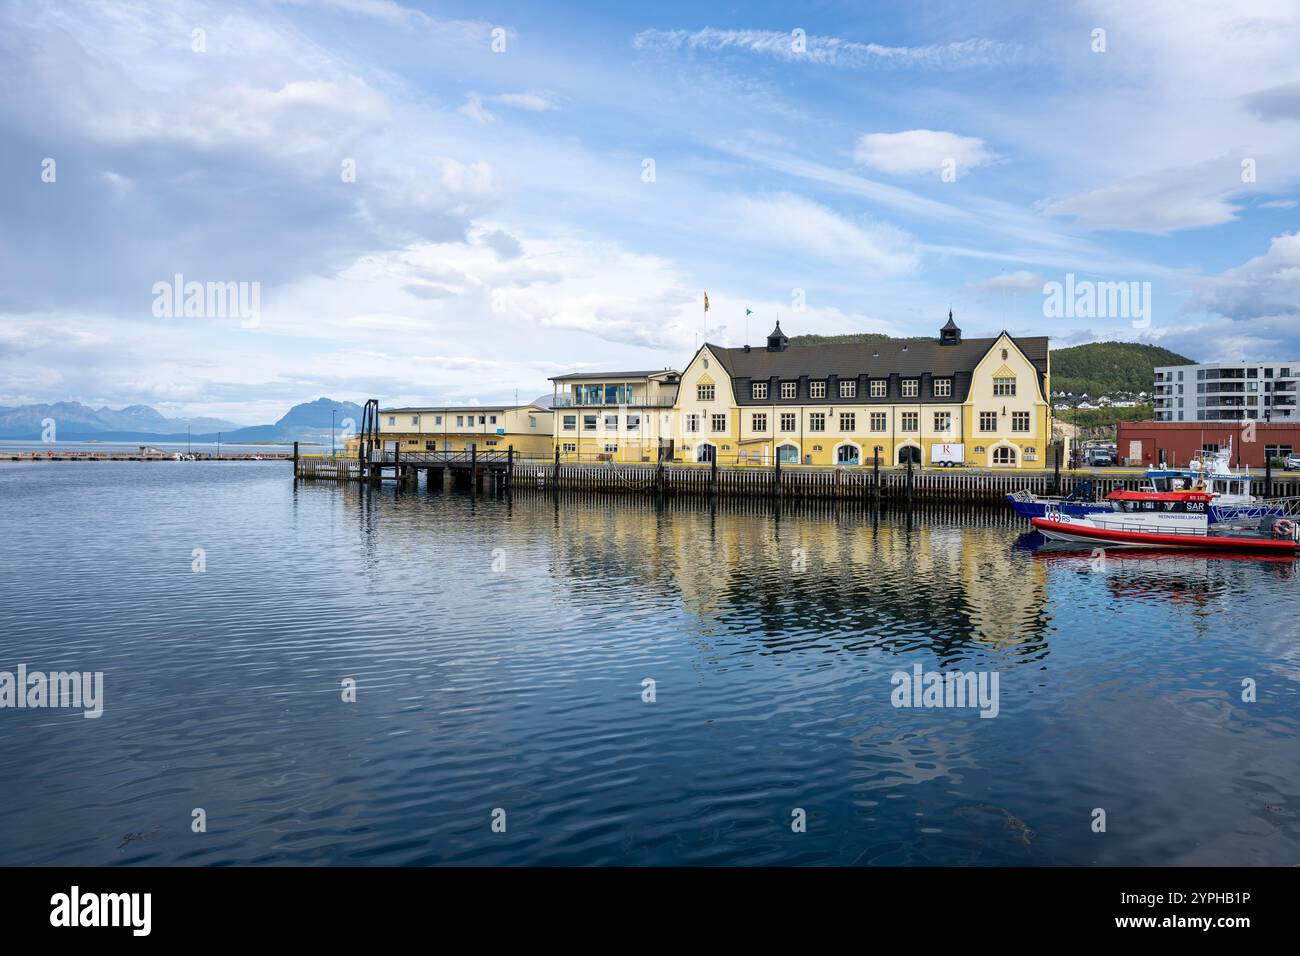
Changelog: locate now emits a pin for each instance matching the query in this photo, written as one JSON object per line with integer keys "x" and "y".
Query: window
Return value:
{"x": 493, "y": 419}
{"x": 1277, "y": 451}
{"x": 788, "y": 425}
{"x": 692, "y": 423}
{"x": 878, "y": 421}
{"x": 1004, "y": 455}
{"x": 490, "y": 442}
{"x": 942, "y": 387}
{"x": 437, "y": 419}
{"x": 704, "y": 393}
{"x": 611, "y": 421}
{"x": 758, "y": 390}
{"x": 789, "y": 389}
{"x": 817, "y": 422}
{"x": 633, "y": 423}
{"x": 849, "y": 389}
{"x": 1020, "y": 421}
{"x": 759, "y": 422}
{"x": 942, "y": 421}
{"x": 848, "y": 421}
{"x": 392, "y": 419}
{"x": 569, "y": 447}
{"x": 847, "y": 455}
{"x": 988, "y": 421}
{"x": 908, "y": 421}
{"x": 532, "y": 421}
{"x": 787, "y": 453}
{"x": 415, "y": 419}
{"x": 911, "y": 388}
{"x": 588, "y": 423}
{"x": 878, "y": 387}
{"x": 611, "y": 449}
{"x": 719, "y": 423}
{"x": 460, "y": 421}
{"x": 431, "y": 446}
{"x": 570, "y": 422}
{"x": 1004, "y": 386}
{"x": 481, "y": 420}
{"x": 816, "y": 389}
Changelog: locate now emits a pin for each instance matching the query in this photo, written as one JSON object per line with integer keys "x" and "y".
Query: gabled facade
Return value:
{"x": 837, "y": 404}
{"x": 615, "y": 416}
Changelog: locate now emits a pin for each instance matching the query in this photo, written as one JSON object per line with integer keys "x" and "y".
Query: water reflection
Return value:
{"x": 500, "y": 648}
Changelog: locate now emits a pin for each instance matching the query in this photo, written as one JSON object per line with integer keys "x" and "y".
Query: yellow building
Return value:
{"x": 615, "y": 416}
{"x": 526, "y": 428}
{"x": 981, "y": 402}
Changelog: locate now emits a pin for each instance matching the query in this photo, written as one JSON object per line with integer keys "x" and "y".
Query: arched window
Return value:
{"x": 1004, "y": 455}
{"x": 909, "y": 453}
{"x": 848, "y": 455}
{"x": 788, "y": 453}
{"x": 705, "y": 453}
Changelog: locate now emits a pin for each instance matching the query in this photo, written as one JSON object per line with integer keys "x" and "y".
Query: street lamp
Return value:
{"x": 333, "y": 411}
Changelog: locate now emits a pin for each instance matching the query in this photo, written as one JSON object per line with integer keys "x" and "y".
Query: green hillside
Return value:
{"x": 1099, "y": 368}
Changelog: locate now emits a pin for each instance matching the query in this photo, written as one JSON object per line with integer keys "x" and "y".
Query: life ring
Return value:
{"x": 1284, "y": 528}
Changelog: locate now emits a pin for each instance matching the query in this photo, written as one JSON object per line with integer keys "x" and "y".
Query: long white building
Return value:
{"x": 1227, "y": 391}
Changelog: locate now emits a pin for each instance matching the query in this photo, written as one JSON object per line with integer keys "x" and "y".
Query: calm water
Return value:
{"x": 521, "y": 688}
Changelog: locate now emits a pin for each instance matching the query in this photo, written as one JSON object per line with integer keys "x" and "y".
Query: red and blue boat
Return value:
{"x": 1168, "y": 519}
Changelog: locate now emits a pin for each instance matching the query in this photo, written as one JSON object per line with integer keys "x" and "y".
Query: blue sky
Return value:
{"x": 501, "y": 227}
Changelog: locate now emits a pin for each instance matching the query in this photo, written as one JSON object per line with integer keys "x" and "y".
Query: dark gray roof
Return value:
{"x": 604, "y": 375}
{"x": 476, "y": 409}
{"x": 893, "y": 360}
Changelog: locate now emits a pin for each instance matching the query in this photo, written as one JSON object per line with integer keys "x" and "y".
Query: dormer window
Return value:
{"x": 911, "y": 387}
{"x": 817, "y": 389}
{"x": 758, "y": 390}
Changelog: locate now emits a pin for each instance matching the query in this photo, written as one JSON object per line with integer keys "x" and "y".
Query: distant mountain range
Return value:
{"x": 309, "y": 421}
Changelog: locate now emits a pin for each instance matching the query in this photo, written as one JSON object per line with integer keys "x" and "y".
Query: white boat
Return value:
{"x": 1166, "y": 519}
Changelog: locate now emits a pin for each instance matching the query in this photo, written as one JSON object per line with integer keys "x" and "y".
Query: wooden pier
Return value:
{"x": 494, "y": 472}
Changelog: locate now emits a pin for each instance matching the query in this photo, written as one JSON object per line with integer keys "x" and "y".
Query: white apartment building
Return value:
{"x": 1227, "y": 391}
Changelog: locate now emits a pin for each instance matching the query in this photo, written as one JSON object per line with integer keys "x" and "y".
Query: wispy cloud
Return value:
{"x": 831, "y": 51}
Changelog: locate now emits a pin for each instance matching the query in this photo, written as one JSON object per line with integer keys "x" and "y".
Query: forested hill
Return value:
{"x": 1099, "y": 368}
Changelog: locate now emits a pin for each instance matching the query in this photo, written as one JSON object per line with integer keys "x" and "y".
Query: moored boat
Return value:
{"x": 1169, "y": 519}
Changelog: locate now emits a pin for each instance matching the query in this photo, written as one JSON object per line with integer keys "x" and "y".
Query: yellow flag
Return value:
{"x": 706, "y": 301}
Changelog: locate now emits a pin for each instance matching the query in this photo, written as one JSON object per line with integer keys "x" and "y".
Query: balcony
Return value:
{"x": 658, "y": 401}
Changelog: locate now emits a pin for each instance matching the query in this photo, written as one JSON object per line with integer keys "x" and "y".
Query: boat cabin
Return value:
{"x": 1168, "y": 502}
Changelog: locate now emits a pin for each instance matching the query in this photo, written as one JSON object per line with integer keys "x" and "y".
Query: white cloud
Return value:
{"x": 829, "y": 50}
{"x": 1013, "y": 282}
{"x": 1161, "y": 202}
{"x": 1265, "y": 286}
{"x": 1278, "y": 204}
{"x": 921, "y": 151}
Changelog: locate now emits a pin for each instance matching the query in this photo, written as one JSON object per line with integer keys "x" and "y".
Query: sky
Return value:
{"x": 451, "y": 202}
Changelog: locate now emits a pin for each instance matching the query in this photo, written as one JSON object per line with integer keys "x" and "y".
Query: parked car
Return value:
{"x": 1098, "y": 458}
{"x": 1292, "y": 462}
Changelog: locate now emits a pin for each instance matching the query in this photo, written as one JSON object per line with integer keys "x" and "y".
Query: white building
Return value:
{"x": 1227, "y": 391}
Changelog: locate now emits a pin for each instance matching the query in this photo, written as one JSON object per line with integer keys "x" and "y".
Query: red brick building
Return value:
{"x": 1176, "y": 443}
